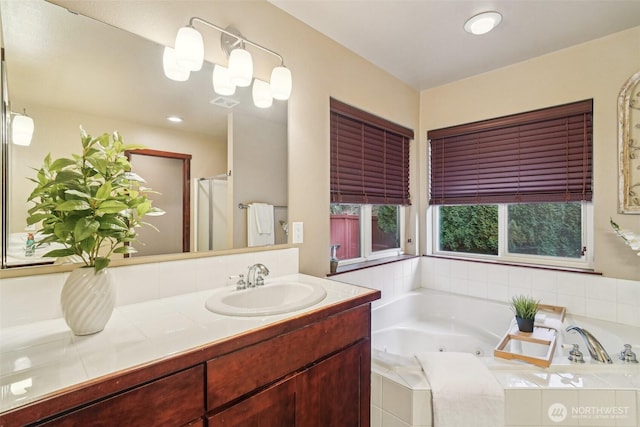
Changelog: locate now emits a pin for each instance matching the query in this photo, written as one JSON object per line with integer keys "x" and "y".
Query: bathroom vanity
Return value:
{"x": 306, "y": 368}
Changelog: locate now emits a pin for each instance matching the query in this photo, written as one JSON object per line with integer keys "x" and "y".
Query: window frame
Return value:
{"x": 504, "y": 257}
{"x": 366, "y": 238}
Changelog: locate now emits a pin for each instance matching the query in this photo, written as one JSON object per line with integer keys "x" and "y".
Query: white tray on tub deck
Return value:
{"x": 543, "y": 335}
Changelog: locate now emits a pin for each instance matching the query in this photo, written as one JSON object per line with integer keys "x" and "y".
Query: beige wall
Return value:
{"x": 321, "y": 69}
{"x": 57, "y": 132}
{"x": 598, "y": 70}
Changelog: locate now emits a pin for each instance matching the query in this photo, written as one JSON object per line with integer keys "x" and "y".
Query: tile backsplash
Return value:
{"x": 590, "y": 295}
{"x": 34, "y": 298}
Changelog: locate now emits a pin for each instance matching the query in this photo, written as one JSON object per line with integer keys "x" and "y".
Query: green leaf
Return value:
{"x": 78, "y": 193}
{"x": 61, "y": 231}
{"x": 101, "y": 263}
{"x": 36, "y": 218}
{"x": 73, "y": 205}
{"x": 127, "y": 249}
{"x": 111, "y": 207}
{"x": 58, "y": 164}
{"x": 143, "y": 208}
{"x": 87, "y": 245}
{"x": 155, "y": 212}
{"x": 100, "y": 165}
{"x": 110, "y": 222}
{"x": 59, "y": 253}
{"x": 67, "y": 175}
{"x": 84, "y": 228}
{"x": 104, "y": 191}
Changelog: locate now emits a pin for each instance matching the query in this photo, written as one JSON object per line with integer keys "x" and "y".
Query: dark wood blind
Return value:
{"x": 537, "y": 156}
{"x": 369, "y": 158}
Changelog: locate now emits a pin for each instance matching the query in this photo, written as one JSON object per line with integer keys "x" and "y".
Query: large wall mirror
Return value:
{"x": 66, "y": 70}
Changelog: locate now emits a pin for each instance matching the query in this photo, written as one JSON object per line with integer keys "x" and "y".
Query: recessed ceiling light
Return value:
{"x": 174, "y": 119}
{"x": 482, "y": 23}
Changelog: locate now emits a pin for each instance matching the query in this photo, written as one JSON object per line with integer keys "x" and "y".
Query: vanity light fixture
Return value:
{"x": 482, "y": 23}
{"x": 21, "y": 129}
{"x": 171, "y": 68}
{"x": 261, "y": 93}
{"x": 221, "y": 82}
{"x": 189, "y": 55}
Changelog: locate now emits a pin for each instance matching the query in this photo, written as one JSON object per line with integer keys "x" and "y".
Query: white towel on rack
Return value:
{"x": 463, "y": 390}
{"x": 260, "y": 230}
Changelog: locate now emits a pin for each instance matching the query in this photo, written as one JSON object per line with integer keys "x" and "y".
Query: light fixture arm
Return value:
{"x": 236, "y": 36}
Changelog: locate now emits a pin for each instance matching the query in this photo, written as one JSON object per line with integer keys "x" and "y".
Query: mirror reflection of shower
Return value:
{"x": 212, "y": 218}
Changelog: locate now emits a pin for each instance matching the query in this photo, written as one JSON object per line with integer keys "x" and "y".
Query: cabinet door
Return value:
{"x": 171, "y": 401}
{"x": 336, "y": 391}
{"x": 273, "y": 407}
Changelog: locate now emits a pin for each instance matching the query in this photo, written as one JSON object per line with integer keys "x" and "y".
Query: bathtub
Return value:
{"x": 427, "y": 320}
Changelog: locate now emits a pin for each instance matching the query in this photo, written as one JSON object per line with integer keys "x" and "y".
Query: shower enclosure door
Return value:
{"x": 212, "y": 224}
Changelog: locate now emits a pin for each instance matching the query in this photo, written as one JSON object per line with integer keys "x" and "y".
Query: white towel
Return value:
{"x": 260, "y": 230}
{"x": 463, "y": 390}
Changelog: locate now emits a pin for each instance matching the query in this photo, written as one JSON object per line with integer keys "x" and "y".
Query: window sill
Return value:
{"x": 368, "y": 264}
{"x": 517, "y": 264}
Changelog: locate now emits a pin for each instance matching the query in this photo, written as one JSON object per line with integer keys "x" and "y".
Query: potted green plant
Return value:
{"x": 90, "y": 204}
{"x": 525, "y": 309}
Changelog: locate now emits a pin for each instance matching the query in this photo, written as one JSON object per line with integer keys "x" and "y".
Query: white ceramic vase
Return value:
{"x": 87, "y": 300}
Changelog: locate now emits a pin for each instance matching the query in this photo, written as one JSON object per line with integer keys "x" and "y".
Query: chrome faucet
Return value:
{"x": 596, "y": 350}
{"x": 255, "y": 275}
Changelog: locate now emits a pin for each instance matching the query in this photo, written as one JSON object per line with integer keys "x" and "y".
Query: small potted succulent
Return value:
{"x": 525, "y": 309}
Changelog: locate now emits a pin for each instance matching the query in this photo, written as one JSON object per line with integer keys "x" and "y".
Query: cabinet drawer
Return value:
{"x": 235, "y": 374}
{"x": 152, "y": 404}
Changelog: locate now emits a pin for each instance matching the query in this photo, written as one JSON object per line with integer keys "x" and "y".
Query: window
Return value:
{"x": 369, "y": 183}
{"x": 540, "y": 233}
{"x": 516, "y": 188}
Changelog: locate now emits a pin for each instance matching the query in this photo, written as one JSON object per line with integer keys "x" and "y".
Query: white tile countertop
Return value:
{"x": 41, "y": 358}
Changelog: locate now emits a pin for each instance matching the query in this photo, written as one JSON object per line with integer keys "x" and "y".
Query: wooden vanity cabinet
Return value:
{"x": 322, "y": 375}
{"x": 153, "y": 404}
{"x": 309, "y": 371}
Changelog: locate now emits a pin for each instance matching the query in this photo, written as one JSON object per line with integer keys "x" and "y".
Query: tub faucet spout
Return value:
{"x": 596, "y": 350}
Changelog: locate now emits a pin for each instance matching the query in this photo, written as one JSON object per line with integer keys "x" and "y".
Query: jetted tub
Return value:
{"x": 427, "y": 320}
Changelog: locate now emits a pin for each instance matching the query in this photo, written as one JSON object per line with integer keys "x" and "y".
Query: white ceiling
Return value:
{"x": 422, "y": 42}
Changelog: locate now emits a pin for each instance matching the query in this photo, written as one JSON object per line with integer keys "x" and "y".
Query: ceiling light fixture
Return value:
{"x": 189, "y": 55}
{"x": 21, "y": 129}
{"x": 482, "y": 23}
{"x": 175, "y": 119}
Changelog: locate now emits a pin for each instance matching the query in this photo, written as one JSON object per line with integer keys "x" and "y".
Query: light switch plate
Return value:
{"x": 298, "y": 233}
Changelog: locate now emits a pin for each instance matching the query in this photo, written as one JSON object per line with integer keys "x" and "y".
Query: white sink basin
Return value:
{"x": 272, "y": 298}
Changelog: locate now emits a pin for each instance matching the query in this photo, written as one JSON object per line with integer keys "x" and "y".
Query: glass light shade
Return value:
{"x": 281, "y": 83}
{"x": 262, "y": 94}
{"x": 171, "y": 68}
{"x": 22, "y": 130}
{"x": 189, "y": 49}
{"x": 482, "y": 23}
{"x": 240, "y": 67}
{"x": 221, "y": 83}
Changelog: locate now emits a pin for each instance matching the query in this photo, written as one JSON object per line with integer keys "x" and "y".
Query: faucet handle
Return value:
{"x": 259, "y": 280}
{"x": 575, "y": 355}
{"x": 627, "y": 355}
{"x": 240, "y": 284}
